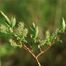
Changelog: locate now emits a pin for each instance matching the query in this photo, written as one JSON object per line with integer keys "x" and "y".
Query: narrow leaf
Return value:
{"x": 36, "y": 34}
{"x": 63, "y": 24}
{"x": 13, "y": 21}
{"x": 47, "y": 34}
{"x": 33, "y": 24}
{"x": 7, "y": 19}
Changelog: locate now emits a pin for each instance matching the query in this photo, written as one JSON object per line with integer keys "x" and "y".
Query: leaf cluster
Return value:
{"x": 20, "y": 35}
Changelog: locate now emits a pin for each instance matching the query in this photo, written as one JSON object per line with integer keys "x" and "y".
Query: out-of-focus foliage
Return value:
{"x": 17, "y": 36}
{"x": 6, "y": 50}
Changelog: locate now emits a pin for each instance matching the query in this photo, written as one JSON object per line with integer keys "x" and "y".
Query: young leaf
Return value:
{"x": 7, "y": 19}
{"x": 63, "y": 24}
{"x": 48, "y": 38}
{"x": 47, "y": 34}
{"x": 13, "y": 21}
{"x": 36, "y": 34}
{"x": 34, "y": 25}
{"x": 34, "y": 31}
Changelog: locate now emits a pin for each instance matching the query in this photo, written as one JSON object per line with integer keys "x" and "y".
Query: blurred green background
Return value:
{"x": 47, "y": 14}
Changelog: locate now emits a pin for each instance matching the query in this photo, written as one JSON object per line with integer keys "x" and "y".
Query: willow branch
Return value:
{"x": 42, "y": 52}
{"x": 26, "y": 48}
{"x": 38, "y": 62}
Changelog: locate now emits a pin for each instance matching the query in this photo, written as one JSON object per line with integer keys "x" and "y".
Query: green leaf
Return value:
{"x": 36, "y": 34}
{"x": 13, "y": 21}
{"x": 63, "y": 25}
{"x": 34, "y": 31}
{"x": 48, "y": 38}
{"x": 47, "y": 34}
{"x": 34, "y": 25}
{"x": 5, "y": 36}
{"x": 7, "y": 19}
{"x": 25, "y": 32}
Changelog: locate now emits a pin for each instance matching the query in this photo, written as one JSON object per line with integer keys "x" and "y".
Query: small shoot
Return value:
{"x": 34, "y": 31}
{"x": 7, "y": 19}
{"x": 63, "y": 24}
{"x": 13, "y": 22}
